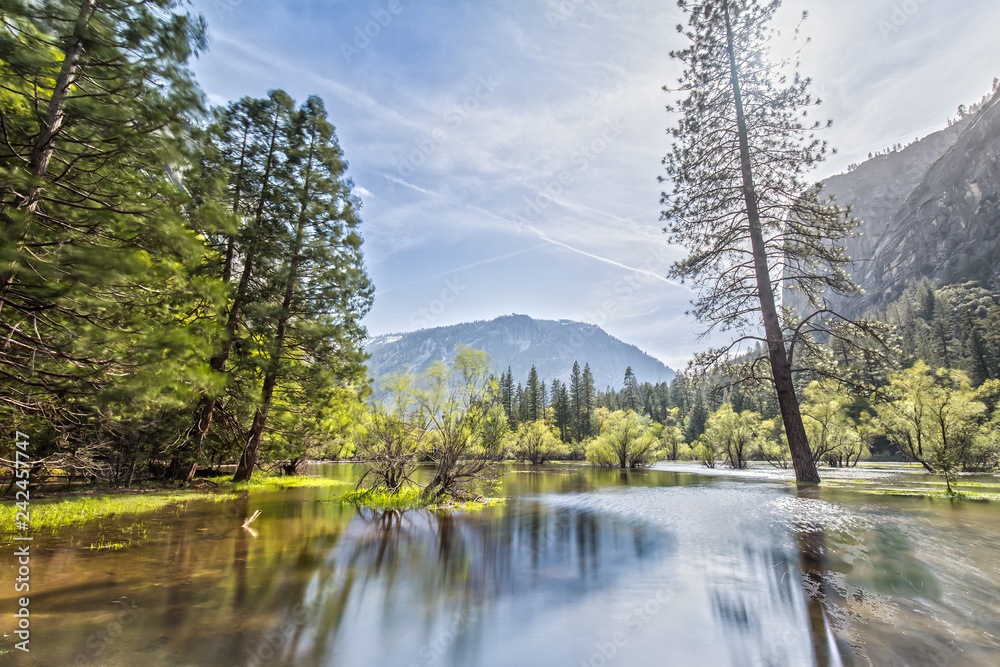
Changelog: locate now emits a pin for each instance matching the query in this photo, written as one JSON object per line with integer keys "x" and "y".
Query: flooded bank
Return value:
{"x": 581, "y": 567}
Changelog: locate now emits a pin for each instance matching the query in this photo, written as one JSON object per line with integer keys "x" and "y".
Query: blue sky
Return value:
{"x": 507, "y": 151}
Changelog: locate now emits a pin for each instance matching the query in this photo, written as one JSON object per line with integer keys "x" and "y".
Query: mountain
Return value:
{"x": 929, "y": 210}
{"x": 949, "y": 226}
{"x": 519, "y": 341}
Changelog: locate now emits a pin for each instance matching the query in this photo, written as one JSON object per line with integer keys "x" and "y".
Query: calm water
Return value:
{"x": 582, "y": 567}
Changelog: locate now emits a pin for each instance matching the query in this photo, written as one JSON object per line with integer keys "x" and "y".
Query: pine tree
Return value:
{"x": 739, "y": 202}
{"x": 576, "y": 401}
{"x": 543, "y": 401}
{"x": 521, "y": 399}
{"x": 588, "y": 394}
{"x": 99, "y": 300}
{"x": 564, "y": 414}
{"x": 249, "y": 145}
{"x": 311, "y": 324}
{"x": 695, "y": 423}
{"x": 507, "y": 397}
{"x": 533, "y": 391}
{"x": 631, "y": 391}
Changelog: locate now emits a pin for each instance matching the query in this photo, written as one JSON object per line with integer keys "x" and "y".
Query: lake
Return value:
{"x": 675, "y": 565}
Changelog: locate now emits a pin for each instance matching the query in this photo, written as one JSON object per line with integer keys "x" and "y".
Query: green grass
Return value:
{"x": 110, "y": 546}
{"x": 380, "y": 499}
{"x": 409, "y": 498}
{"x": 275, "y": 483}
{"x": 70, "y": 511}
{"x": 930, "y": 493}
{"x": 53, "y": 515}
{"x": 58, "y": 514}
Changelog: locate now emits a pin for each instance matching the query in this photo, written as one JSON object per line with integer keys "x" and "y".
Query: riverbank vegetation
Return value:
{"x": 179, "y": 286}
{"x": 70, "y": 509}
{"x": 182, "y": 287}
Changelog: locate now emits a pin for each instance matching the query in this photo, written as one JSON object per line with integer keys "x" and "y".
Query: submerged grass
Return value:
{"x": 74, "y": 510}
{"x": 275, "y": 483}
{"x": 931, "y": 493}
{"x": 56, "y": 514}
{"x": 380, "y": 499}
{"x": 410, "y": 498}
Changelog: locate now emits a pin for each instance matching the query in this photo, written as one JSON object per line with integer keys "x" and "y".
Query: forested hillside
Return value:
{"x": 519, "y": 342}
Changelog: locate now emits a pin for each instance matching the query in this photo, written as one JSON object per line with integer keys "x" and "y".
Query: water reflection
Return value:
{"x": 582, "y": 567}
{"x": 826, "y": 608}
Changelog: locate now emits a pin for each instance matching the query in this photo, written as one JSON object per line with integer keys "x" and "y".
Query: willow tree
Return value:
{"x": 739, "y": 201}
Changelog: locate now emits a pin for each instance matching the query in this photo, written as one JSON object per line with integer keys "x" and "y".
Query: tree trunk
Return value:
{"x": 15, "y": 228}
{"x": 781, "y": 370}
{"x": 249, "y": 458}
{"x": 219, "y": 361}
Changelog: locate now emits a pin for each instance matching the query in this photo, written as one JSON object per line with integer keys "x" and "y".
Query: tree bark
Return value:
{"x": 249, "y": 458}
{"x": 781, "y": 370}
{"x": 220, "y": 360}
{"x": 41, "y": 153}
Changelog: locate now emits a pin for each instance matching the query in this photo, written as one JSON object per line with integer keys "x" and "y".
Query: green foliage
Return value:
{"x": 932, "y": 417}
{"x": 672, "y": 441}
{"x": 451, "y": 417}
{"x": 170, "y": 293}
{"x": 468, "y": 426}
{"x": 625, "y": 440}
{"x": 736, "y": 435}
{"x": 953, "y": 326}
{"x": 773, "y": 446}
{"x": 534, "y": 442}
{"x": 834, "y": 436}
{"x": 411, "y": 498}
{"x": 392, "y": 436}
{"x": 105, "y": 319}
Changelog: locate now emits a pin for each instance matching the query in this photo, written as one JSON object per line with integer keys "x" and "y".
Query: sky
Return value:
{"x": 507, "y": 152}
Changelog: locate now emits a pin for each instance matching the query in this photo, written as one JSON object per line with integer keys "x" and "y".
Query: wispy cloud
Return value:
{"x": 565, "y": 70}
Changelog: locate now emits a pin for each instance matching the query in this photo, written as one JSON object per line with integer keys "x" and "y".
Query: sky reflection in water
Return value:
{"x": 583, "y": 567}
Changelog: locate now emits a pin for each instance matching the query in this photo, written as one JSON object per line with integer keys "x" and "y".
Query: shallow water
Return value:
{"x": 582, "y": 567}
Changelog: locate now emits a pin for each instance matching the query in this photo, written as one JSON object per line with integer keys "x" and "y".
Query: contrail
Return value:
{"x": 540, "y": 234}
{"x": 463, "y": 268}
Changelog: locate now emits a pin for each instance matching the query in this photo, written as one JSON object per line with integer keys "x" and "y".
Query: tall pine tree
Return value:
{"x": 309, "y": 323}
{"x": 739, "y": 201}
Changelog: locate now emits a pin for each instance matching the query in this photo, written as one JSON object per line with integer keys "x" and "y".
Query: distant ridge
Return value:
{"x": 520, "y": 342}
